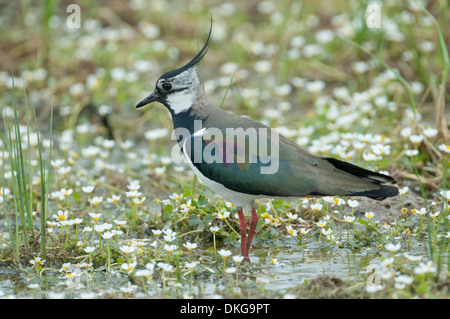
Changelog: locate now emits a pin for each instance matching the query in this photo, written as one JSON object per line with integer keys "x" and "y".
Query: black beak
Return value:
{"x": 149, "y": 99}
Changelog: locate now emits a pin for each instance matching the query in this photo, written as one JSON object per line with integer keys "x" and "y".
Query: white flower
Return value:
{"x": 94, "y": 216}
{"x": 99, "y": 228}
{"x": 126, "y": 145}
{"x": 127, "y": 249}
{"x": 430, "y": 132}
{"x": 96, "y": 200}
{"x": 444, "y": 148}
{"x": 90, "y": 151}
{"x": 369, "y": 157}
{"x": 387, "y": 262}
{"x": 360, "y": 67}
{"x": 214, "y": 229}
{"x": 87, "y": 189}
{"x": 404, "y": 279}
{"x": 128, "y": 267}
{"x": 393, "y": 247}
{"x": 297, "y": 41}
{"x": 138, "y": 201}
{"x": 165, "y": 267}
{"x": 349, "y": 219}
{"x": 405, "y": 132}
{"x": 144, "y": 273}
{"x": 262, "y": 66}
{"x": 224, "y": 253}
{"x": 156, "y": 232}
{"x": 57, "y": 163}
{"x": 292, "y": 232}
{"x": 156, "y": 134}
{"x": 324, "y": 36}
{"x": 403, "y": 190}
{"x": 150, "y": 31}
{"x": 411, "y": 152}
{"x": 191, "y": 265}
{"x": 37, "y": 261}
{"x": 190, "y": 246}
{"x": 427, "y": 46}
{"x": 169, "y": 237}
{"x": 373, "y": 288}
{"x": 134, "y": 187}
{"x": 87, "y": 229}
{"x": 160, "y": 170}
{"x": 292, "y": 216}
{"x": 275, "y": 262}
{"x": 421, "y": 211}
{"x": 311, "y": 50}
{"x": 89, "y": 249}
{"x": 304, "y": 231}
{"x": 321, "y": 223}
{"x": 445, "y": 194}
{"x": 76, "y": 89}
{"x": 107, "y": 235}
{"x": 417, "y": 88}
{"x": 380, "y": 149}
{"x": 170, "y": 248}
{"x": 338, "y": 201}
{"x": 435, "y": 214}
{"x": 113, "y": 199}
{"x": 230, "y": 270}
{"x": 424, "y": 268}
{"x": 62, "y": 215}
{"x": 283, "y": 90}
{"x": 223, "y": 215}
{"x": 412, "y": 258}
{"x": 315, "y": 86}
{"x": 238, "y": 259}
{"x": 352, "y": 203}
{"x": 369, "y": 214}
{"x": 416, "y": 139}
{"x": 108, "y": 144}
{"x": 133, "y": 194}
{"x": 77, "y": 221}
{"x": 120, "y": 222}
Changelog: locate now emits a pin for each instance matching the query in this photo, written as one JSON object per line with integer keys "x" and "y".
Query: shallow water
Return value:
{"x": 298, "y": 265}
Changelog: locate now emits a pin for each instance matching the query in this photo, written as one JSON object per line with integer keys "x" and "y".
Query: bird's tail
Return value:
{"x": 381, "y": 193}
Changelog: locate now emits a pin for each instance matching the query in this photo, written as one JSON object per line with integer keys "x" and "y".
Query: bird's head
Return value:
{"x": 178, "y": 89}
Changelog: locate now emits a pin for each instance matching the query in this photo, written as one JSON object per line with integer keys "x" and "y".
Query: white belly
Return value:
{"x": 238, "y": 199}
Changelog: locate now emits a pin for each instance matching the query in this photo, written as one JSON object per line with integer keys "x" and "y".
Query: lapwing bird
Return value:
{"x": 243, "y": 160}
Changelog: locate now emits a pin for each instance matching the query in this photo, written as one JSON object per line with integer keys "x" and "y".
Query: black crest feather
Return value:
{"x": 200, "y": 55}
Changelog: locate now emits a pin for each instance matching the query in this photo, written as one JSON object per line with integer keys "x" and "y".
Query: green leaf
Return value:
{"x": 365, "y": 223}
{"x": 202, "y": 200}
{"x": 207, "y": 219}
{"x": 194, "y": 220}
{"x": 76, "y": 196}
{"x": 187, "y": 193}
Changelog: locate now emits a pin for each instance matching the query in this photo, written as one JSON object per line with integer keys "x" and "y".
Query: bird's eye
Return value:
{"x": 167, "y": 86}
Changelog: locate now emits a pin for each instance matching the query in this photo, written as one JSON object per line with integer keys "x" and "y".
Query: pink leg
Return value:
{"x": 243, "y": 229}
{"x": 251, "y": 232}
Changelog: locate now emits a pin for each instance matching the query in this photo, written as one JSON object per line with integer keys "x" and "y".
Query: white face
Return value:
{"x": 181, "y": 95}
{"x": 180, "y": 101}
